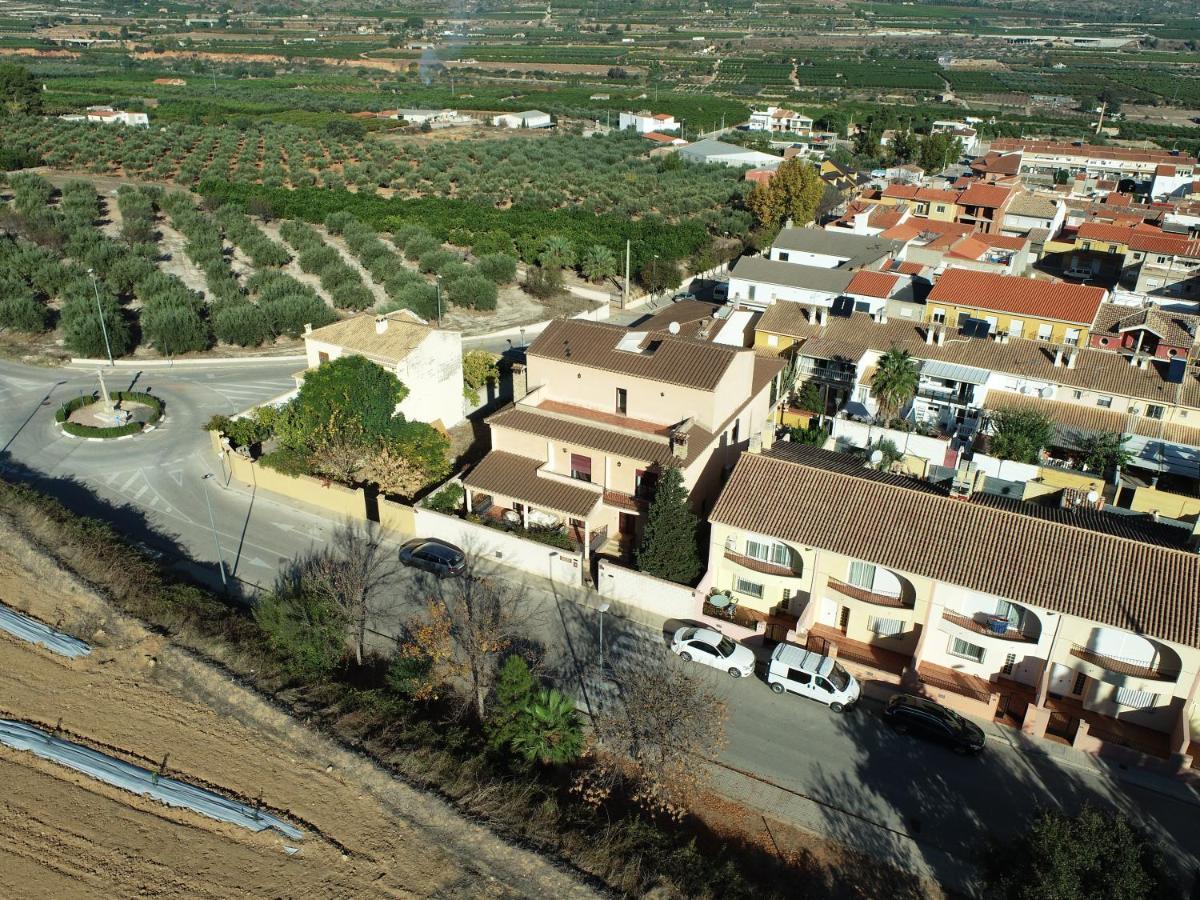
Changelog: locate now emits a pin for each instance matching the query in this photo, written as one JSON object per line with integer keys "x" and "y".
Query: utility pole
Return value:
{"x": 439, "y": 296}
{"x": 100, "y": 313}
{"x": 625, "y": 294}
{"x": 1103, "y": 109}
{"x": 216, "y": 538}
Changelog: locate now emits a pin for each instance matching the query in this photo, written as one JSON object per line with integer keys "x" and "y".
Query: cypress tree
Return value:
{"x": 668, "y": 548}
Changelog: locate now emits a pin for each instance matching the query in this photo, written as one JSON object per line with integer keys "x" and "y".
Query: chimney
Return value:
{"x": 381, "y": 324}
{"x": 1071, "y": 355}
{"x": 883, "y": 317}
{"x": 941, "y": 337}
{"x": 1144, "y": 361}
{"x": 520, "y": 382}
{"x": 308, "y": 327}
{"x": 822, "y": 316}
{"x": 929, "y": 335}
{"x": 1058, "y": 356}
{"x": 679, "y": 439}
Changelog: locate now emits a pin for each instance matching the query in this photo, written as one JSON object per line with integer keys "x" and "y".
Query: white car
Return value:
{"x": 703, "y": 645}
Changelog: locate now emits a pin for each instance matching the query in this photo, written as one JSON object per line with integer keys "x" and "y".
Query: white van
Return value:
{"x": 812, "y": 675}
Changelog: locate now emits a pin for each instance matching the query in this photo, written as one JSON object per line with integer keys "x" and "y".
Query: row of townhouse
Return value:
{"x": 1141, "y": 257}
{"x": 1047, "y": 158}
{"x": 980, "y": 205}
{"x": 1073, "y": 623}
{"x": 600, "y": 411}
{"x": 1135, "y": 372}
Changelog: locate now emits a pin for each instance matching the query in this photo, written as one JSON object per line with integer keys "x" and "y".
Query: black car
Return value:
{"x": 907, "y": 714}
{"x": 442, "y": 559}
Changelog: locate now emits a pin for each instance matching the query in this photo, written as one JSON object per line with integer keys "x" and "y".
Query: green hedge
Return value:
{"x": 89, "y": 431}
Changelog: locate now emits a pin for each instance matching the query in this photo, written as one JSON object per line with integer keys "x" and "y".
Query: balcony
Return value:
{"x": 1163, "y": 668}
{"x": 759, "y": 565}
{"x": 621, "y": 500}
{"x": 953, "y": 396}
{"x": 906, "y": 600}
{"x": 990, "y": 626}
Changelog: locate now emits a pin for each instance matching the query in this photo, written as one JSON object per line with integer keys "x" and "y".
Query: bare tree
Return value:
{"x": 351, "y": 572}
{"x": 481, "y": 617}
{"x": 658, "y": 737}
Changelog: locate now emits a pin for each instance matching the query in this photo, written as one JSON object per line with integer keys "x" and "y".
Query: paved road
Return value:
{"x": 909, "y": 802}
{"x": 151, "y": 485}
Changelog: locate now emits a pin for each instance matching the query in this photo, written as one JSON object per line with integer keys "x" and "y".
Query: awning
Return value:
{"x": 517, "y": 477}
{"x": 935, "y": 368}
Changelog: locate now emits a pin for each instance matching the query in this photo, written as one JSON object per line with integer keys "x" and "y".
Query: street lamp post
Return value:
{"x": 439, "y": 298}
{"x": 100, "y": 313}
{"x": 603, "y": 608}
{"x": 216, "y": 538}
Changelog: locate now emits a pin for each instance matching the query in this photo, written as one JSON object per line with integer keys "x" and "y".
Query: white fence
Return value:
{"x": 1004, "y": 469}
{"x": 484, "y": 543}
{"x": 645, "y": 592}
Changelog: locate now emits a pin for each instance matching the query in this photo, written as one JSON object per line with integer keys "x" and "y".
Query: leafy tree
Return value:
{"x": 473, "y": 290}
{"x": 809, "y": 398}
{"x": 905, "y": 146}
{"x": 1062, "y": 176}
{"x": 894, "y": 382}
{"x": 479, "y": 367}
{"x": 23, "y": 313}
{"x": 939, "y": 150}
{"x": 1090, "y": 856}
{"x": 19, "y": 92}
{"x": 668, "y": 549}
{"x": 598, "y": 263}
{"x": 515, "y": 687}
{"x": 240, "y": 323}
{"x": 304, "y": 627}
{"x": 543, "y": 283}
{"x": 498, "y": 267}
{"x": 172, "y": 329}
{"x": 548, "y": 729}
{"x": 794, "y": 192}
{"x": 355, "y": 387}
{"x": 82, "y": 331}
{"x": 1106, "y": 453}
{"x": 659, "y": 275}
{"x": 1019, "y": 434}
{"x": 814, "y": 435}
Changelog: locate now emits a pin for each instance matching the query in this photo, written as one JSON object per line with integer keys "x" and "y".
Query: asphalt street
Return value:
{"x": 847, "y": 776}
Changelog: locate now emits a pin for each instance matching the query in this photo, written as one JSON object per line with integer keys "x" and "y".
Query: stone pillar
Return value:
{"x": 1036, "y": 720}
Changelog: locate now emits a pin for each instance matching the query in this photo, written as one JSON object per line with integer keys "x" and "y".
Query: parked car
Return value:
{"x": 809, "y": 674}
{"x": 907, "y": 714}
{"x": 721, "y": 291}
{"x": 712, "y": 648}
{"x": 438, "y": 557}
{"x": 684, "y": 295}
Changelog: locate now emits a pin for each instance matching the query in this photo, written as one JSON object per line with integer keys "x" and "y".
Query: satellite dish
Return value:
{"x": 1092, "y": 496}
{"x": 673, "y": 328}
{"x": 876, "y": 457}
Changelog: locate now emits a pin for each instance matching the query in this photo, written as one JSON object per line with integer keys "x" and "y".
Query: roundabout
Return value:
{"x": 115, "y": 414}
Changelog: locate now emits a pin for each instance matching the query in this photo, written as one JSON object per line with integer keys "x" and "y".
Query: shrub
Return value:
{"x": 351, "y": 295}
{"x": 434, "y": 260}
{"x": 420, "y": 244}
{"x": 420, "y": 297}
{"x": 473, "y": 290}
{"x": 498, "y": 267}
{"x": 448, "y": 500}
{"x": 287, "y": 461}
{"x": 82, "y": 331}
{"x": 290, "y": 313}
{"x": 543, "y": 283}
{"x": 172, "y": 329}
{"x": 24, "y": 314}
{"x": 241, "y": 323}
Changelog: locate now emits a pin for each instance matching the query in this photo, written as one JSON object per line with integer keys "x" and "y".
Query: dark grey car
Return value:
{"x": 438, "y": 557}
{"x": 932, "y": 721}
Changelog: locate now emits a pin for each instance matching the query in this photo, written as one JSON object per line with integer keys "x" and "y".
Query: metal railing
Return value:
{"x": 1154, "y": 670}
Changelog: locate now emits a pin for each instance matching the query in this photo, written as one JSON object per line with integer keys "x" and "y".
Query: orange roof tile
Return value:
{"x": 872, "y": 284}
{"x": 1024, "y": 296}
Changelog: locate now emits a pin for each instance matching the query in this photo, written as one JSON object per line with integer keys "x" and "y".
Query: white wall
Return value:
{"x": 1004, "y": 469}
{"x": 497, "y": 546}
{"x": 765, "y": 294}
{"x": 433, "y": 374}
{"x": 859, "y": 434}
{"x": 806, "y": 258}
{"x": 662, "y": 598}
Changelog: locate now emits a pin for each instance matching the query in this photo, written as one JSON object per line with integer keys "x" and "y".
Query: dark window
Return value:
{"x": 322, "y": 357}
{"x": 704, "y": 648}
{"x": 644, "y": 484}
{"x": 1080, "y": 681}
{"x": 581, "y": 467}
{"x": 736, "y": 428}
{"x": 783, "y": 257}
{"x": 622, "y": 401}
{"x": 824, "y": 685}
{"x": 798, "y": 676}
{"x": 627, "y": 524}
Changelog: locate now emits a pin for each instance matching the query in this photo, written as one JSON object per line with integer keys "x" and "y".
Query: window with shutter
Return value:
{"x": 862, "y": 575}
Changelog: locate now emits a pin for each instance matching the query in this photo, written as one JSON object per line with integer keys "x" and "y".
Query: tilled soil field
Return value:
{"x": 140, "y": 697}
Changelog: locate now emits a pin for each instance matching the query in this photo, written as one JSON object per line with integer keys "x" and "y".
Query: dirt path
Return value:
{"x": 141, "y": 697}
{"x": 271, "y": 229}
{"x": 336, "y": 242}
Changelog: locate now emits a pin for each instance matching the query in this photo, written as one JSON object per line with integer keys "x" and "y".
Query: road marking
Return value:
{"x": 111, "y": 477}
{"x": 128, "y": 484}
{"x": 177, "y": 476}
{"x": 140, "y": 491}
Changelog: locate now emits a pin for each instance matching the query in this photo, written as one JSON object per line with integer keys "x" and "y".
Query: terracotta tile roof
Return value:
{"x": 1165, "y": 170}
{"x": 1022, "y": 296}
{"x": 992, "y": 196}
{"x": 1112, "y": 580}
{"x": 404, "y": 333}
{"x": 901, "y": 191}
{"x": 872, "y": 284}
{"x": 671, "y": 360}
{"x": 1033, "y": 205}
{"x": 1171, "y": 327}
{"x": 510, "y": 475}
{"x": 660, "y": 137}
{"x": 608, "y": 439}
{"x": 1094, "y": 418}
{"x": 998, "y": 163}
{"x": 908, "y": 268}
{"x": 1097, "y": 370}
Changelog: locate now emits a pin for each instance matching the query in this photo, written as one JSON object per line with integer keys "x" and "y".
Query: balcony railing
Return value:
{"x": 735, "y": 613}
{"x": 986, "y": 629}
{"x": 621, "y": 500}
{"x": 759, "y": 565}
{"x": 906, "y": 600}
{"x": 1154, "y": 670}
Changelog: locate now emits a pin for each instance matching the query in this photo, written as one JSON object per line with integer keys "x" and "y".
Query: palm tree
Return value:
{"x": 598, "y": 262}
{"x": 550, "y": 730}
{"x": 557, "y": 252}
{"x": 895, "y": 382}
